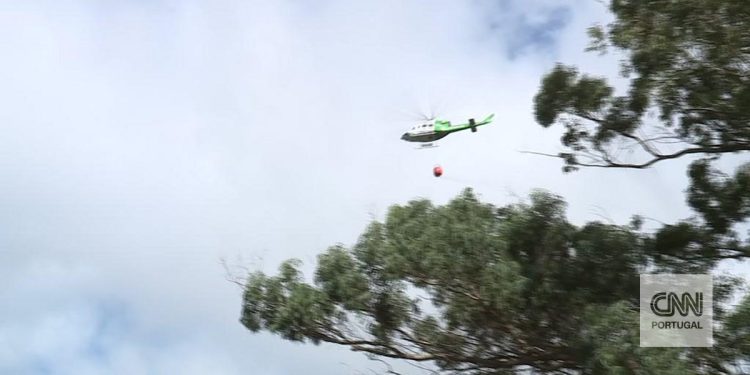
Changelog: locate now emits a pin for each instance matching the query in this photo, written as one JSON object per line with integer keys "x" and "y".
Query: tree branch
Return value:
{"x": 608, "y": 163}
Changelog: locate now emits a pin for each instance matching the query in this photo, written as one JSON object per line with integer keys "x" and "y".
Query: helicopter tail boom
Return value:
{"x": 487, "y": 120}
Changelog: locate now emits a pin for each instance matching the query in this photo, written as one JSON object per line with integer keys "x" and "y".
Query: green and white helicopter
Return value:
{"x": 432, "y": 130}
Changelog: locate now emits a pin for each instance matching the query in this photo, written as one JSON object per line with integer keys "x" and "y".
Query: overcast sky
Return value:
{"x": 144, "y": 141}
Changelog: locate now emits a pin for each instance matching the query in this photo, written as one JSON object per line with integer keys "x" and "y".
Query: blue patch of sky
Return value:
{"x": 525, "y": 31}
{"x": 537, "y": 36}
{"x": 40, "y": 368}
{"x": 113, "y": 323}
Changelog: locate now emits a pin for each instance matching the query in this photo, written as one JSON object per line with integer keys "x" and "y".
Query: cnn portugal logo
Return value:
{"x": 667, "y": 304}
{"x": 676, "y": 310}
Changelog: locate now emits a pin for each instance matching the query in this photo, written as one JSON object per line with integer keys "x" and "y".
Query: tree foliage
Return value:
{"x": 688, "y": 65}
{"x": 688, "y": 71}
{"x": 478, "y": 289}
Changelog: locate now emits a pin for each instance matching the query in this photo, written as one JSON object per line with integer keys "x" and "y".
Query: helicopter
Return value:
{"x": 433, "y": 130}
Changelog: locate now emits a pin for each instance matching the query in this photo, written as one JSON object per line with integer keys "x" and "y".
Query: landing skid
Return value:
{"x": 426, "y": 145}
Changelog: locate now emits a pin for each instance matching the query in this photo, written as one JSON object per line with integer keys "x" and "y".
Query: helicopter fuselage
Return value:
{"x": 423, "y": 133}
{"x": 423, "y": 137}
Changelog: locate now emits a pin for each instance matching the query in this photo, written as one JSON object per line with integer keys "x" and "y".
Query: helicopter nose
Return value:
{"x": 405, "y": 136}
